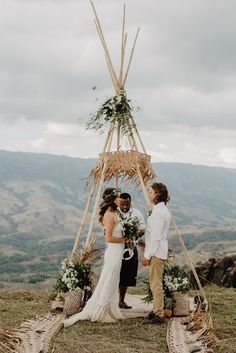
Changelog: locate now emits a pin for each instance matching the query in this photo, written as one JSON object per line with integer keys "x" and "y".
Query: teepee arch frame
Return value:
{"x": 133, "y": 137}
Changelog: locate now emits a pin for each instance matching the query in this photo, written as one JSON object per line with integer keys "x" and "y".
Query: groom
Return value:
{"x": 156, "y": 248}
{"x": 129, "y": 268}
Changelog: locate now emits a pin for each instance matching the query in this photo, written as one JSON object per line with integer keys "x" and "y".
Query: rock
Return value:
{"x": 221, "y": 271}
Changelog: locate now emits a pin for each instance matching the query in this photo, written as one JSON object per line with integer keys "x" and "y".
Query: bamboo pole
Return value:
{"x": 122, "y": 47}
{"x": 117, "y": 181}
{"x": 108, "y": 137}
{"x": 189, "y": 258}
{"x": 138, "y": 135}
{"x": 115, "y": 84}
{"x": 118, "y": 137}
{"x": 82, "y": 224}
{"x": 99, "y": 192}
{"x": 125, "y": 41}
{"x": 132, "y": 135}
{"x": 143, "y": 186}
{"x": 131, "y": 57}
{"x": 117, "y": 148}
{"x": 133, "y": 143}
{"x": 104, "y": 44}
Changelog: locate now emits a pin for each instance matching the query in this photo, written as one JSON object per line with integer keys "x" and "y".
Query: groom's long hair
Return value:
{"x": 108, "y": 201}
{"x": 162, "y": 192}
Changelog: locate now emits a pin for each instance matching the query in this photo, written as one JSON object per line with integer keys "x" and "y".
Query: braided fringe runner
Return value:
{"x": 33, "y": 336}
{"x": 190, "y": 334}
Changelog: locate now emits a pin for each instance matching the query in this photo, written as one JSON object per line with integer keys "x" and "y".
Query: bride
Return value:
{"x": 103, "y": 304}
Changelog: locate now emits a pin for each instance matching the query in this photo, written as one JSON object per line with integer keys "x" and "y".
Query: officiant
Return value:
{"x": 129, "y": 268}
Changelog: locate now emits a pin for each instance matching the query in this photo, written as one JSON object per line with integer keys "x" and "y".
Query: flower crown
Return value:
{"x": 115, "y": 192}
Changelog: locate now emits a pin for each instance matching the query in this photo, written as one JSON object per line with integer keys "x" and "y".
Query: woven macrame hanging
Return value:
{"x": 124, "y": 164}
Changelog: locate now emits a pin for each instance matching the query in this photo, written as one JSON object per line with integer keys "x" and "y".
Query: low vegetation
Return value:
{"x": 129, "y": 336}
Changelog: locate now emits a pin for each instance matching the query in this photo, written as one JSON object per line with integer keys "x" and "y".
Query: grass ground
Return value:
{"x": 129, "y": 336}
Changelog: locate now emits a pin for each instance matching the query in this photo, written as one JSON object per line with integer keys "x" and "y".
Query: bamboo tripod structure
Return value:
{"x": 134, "y": 141}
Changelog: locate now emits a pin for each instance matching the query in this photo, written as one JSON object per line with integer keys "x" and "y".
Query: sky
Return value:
{"x": 182, "y": 78}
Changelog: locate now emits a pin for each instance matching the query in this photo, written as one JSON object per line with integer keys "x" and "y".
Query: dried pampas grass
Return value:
{"x": 88, "y": 253}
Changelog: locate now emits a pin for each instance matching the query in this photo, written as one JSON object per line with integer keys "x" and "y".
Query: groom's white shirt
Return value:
{"x": 158, "y": 222}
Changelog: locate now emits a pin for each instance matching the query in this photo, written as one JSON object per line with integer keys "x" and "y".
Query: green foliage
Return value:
{"x": 73, "y": 276}
{"x": 115, "y": 110}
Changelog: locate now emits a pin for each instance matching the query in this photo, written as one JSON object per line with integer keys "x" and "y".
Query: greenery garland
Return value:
{"x": 117, "y": 110}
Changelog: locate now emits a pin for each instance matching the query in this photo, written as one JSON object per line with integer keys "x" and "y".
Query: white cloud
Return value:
{"x": 39, "y": 143}
{"x": 64, "y": 130}
{"x": 183, "y": 76}
{"x": 228, "y": 155}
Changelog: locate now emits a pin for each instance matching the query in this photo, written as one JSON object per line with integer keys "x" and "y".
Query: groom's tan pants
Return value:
{"x": 156, "y": 267}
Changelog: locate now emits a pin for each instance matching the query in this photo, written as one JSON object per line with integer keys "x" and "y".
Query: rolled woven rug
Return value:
{"x": 181, "y": 304}
{"x": 58, "y": 302}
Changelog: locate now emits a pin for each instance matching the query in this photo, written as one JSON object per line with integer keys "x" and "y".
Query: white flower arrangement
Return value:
{"x": 174, "y": 280}
{"x": 176, "y": 284}
{"x": 73, "y": 277}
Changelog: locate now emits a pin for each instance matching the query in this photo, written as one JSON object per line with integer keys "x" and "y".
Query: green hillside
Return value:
{"x": 43, "y": 197}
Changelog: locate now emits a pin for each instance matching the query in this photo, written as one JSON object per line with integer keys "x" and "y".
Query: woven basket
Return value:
{"x": 168, "y": 313}
{"x": 73, "y": 302}
{"x": 181, "y": 306}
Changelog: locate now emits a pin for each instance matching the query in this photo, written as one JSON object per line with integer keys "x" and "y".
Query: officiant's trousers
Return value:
{"x": 156, "y": 268}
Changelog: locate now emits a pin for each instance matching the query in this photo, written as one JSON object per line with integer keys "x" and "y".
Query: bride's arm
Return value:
{"x": 109, "y": 224}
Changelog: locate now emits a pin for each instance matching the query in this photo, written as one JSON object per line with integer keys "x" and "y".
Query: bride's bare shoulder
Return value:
{"x": 109, "y": 216}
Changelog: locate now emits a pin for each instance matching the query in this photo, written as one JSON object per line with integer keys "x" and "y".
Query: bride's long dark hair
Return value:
{"x": 109, "y": 195}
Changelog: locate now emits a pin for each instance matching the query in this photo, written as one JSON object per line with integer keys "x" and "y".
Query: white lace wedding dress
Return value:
{"x": 103, "y": 304}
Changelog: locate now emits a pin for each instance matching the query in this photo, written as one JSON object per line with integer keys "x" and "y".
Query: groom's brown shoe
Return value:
{"x": 156, "y": 320}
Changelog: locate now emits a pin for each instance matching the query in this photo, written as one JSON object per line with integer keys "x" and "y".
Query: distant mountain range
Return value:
{"x": 42, "y": 199}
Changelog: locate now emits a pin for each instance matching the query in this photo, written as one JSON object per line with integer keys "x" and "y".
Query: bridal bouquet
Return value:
{"x": 130, "y": 228}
